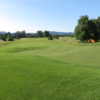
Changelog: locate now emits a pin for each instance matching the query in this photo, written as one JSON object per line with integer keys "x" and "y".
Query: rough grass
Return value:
{"x": 38, "y": 69}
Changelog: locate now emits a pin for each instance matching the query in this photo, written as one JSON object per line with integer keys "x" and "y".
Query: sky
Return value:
{"x": 52, "y": 15}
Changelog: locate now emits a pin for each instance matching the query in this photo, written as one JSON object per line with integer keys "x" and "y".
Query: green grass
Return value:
{"x": 38, "y": 69}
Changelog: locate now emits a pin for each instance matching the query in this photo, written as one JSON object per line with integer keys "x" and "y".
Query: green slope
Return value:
{"x": 38, "y": 69}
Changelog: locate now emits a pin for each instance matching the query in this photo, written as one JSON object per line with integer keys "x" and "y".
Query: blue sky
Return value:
{"x": 53, "y": 15}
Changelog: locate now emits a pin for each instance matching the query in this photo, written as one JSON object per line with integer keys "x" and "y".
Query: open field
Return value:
{"x": 38, "y": 69}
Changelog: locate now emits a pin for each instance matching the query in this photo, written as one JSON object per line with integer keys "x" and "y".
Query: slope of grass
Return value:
{"x": 38, "y": 69}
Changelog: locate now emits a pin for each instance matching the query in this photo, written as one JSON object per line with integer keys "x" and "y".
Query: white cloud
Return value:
{"x": 7, "y": 24}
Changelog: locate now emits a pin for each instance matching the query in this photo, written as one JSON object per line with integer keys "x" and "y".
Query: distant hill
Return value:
{"x": 3, "y": 32}
{"x": 60, "y": 33}
{"x": 51, "y": 32}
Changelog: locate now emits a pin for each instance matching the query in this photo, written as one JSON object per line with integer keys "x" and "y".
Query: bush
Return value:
{"x": 10, "y": 37}
{"x": 50, "y": 37}
{"x": 56, "y": 37}
{"x": 3, "y": 37}
{"x": 7, "y": 37}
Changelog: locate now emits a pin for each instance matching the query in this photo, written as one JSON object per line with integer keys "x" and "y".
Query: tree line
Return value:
{"x": 8, "y": 36}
